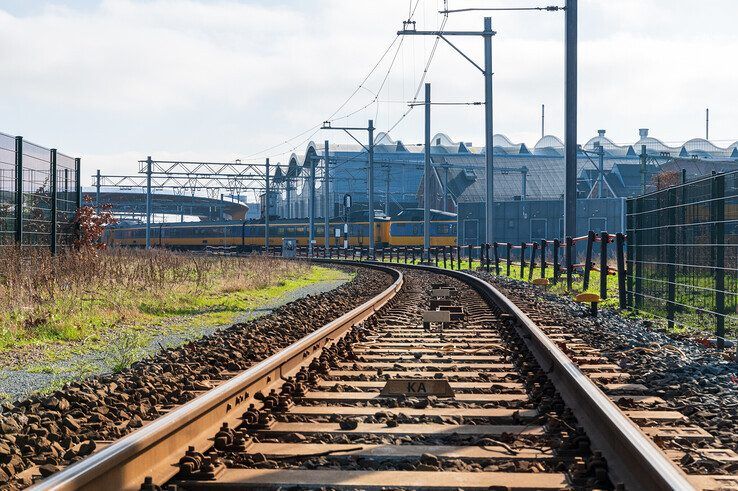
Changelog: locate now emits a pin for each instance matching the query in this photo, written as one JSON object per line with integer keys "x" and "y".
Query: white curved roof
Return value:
{"x": 548, "y": 145}
{"x": 655, "y": 145}
{"x": 384, "y": 138}
{"x": 549, "y": 141}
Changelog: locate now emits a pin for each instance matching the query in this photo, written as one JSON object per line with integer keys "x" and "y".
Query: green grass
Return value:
{"x": 76, "y": 325}
{"x": 687, "y": 320}
{"x": 560, "y": 287}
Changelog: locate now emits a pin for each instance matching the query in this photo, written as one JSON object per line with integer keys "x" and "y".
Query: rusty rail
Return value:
{"x": 632, "y": 457}
{"x": 154, "y": 449}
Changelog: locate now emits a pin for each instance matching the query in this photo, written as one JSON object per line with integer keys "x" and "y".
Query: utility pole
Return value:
{"x": 266, "y": 207}
{"x": 445, "y": 186}
{"x": 311, "y": 207}
{"x": 289, "y": 204}
{"x": 489, "y": 147}
{"x": 570, "y": 136}
{"x": 427, "y": 174}
{"x": 326, "y": 194}
{"x": 707, "y": 123}
{"x": 148, "y": 201}
{"x": 487, "y": 34}
{"x": 370, "y": 169}
{"x": 387, "y": 190}
{"x": 543, "y": 120}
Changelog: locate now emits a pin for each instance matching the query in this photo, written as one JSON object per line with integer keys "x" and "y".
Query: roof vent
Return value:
{"x": 601, "y": 133}
{"x": 438, "y": 141}
{"x": 643, "y": 132}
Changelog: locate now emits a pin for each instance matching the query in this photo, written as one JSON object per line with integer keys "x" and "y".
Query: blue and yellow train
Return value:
{"x": 403, "y": 229}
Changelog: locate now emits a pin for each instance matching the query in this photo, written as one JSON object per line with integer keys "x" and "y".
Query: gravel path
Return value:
{"x": 17, "y": 384}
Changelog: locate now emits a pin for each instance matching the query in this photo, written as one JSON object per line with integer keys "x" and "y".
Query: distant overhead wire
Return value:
{"x": 332, "y": 117}
{"x": 422, "y": 78}
{"x": 548, "y": 8}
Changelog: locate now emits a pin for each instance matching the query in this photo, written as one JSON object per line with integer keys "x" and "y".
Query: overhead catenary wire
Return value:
{"x": 422, "y": 79}
{"x": 548, "y": 8}
{"x": 341, "y": 106}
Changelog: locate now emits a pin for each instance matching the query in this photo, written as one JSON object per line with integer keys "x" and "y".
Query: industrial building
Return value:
{"x": 529, "y": 182}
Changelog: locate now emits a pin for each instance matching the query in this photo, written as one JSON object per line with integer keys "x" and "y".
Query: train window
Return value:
{"x": 319, "y": 230}
{"x": 300, "y": 230}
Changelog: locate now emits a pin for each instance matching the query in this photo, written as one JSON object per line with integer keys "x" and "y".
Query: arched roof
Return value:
{"x": 443, "y": 140}
{"x": 549, "y": 141}
{"x": 499, "y": 140}
{"x": 655, "y": 145}
{"x": 383, "y": 138}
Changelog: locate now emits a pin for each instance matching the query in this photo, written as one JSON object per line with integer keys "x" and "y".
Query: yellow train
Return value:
{"x": 403, "y": 229}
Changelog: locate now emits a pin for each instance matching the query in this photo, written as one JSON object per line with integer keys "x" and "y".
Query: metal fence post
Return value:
{"x": 620, "y": 252}
{"x": 471, "y": 251}
{"x": 486, "y": 249}
{"x": 54, "y": 195}
{"x": 497, "y": 259}
{"x": 78, "y": 180}
{"x": 18, "y": 190}
{"x": 604, "y": 239}
{"x": 522, "y": 260}
{"x": 588, "y": 258}
{"x": 671, "y": 260}
{"x": 637, "y": 252}
{"x": 718, "y": 201}
{"x": 532, "y": 266}
{"x": 445, "y": 248}
{"x": 556, "y": 265}
{"x": 569, "y": 262}
{"x": 458, "y": 257}
{"x": 509, "y": 258}
{"x": 544, "y": 244}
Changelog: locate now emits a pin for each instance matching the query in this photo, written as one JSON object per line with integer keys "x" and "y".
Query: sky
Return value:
{"x": 113, "y": 81}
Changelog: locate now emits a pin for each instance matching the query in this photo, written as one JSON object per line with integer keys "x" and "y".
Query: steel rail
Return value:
{"x": 633, "y": 458}
{"x": 154, "y": 449}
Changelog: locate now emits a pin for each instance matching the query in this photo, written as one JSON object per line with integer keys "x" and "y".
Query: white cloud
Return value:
{"x": 222, "y": 79}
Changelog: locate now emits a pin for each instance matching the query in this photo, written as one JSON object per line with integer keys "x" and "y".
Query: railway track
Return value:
{"x": 439, "y": 382}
